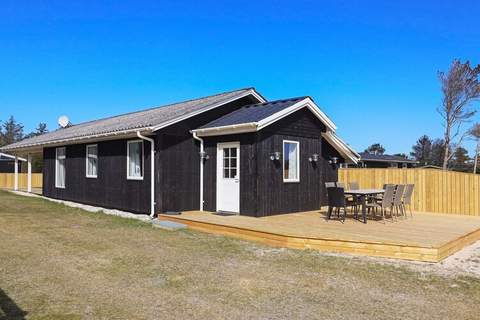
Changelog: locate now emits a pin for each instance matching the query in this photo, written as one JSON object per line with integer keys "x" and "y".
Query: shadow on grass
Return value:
{"x": 8, "y": 309}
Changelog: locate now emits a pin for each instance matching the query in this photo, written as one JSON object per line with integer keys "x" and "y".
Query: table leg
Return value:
{"x": 329, "y": 212}
{"x": 364, "y": 208}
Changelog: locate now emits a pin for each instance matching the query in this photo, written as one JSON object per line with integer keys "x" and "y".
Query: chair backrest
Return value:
{"x": 353, "y": 185}
{"x": 407, "y": 196}
{"x": 397, "y": 199}
{"x": 387, "y": 200}
{"x": 340, "y": 185}
{"x": 336, "y": 197}
{"x": 329, "y": 185}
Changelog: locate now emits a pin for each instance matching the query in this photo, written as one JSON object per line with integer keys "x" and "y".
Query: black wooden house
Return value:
{"x": 233, "y": 152}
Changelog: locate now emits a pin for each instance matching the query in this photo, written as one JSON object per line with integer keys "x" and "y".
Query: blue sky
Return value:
{"x": 370, "y": 65}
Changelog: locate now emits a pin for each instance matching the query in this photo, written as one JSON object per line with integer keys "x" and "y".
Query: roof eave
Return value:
{"x": 225, "y": 130}
{"x": 344, "y": 149}
{"x": 78, "y": 140}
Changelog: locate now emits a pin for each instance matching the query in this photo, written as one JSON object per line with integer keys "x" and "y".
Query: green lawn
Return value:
{"x": 62, "y": 263}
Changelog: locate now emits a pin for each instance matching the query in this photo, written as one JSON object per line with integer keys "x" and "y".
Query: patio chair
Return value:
{"x": 386, "y": 203}
{"x": 337, "y": 200}
{"x": 398, "y": 199}
{"x": 340, "y": 185}
{"x": 407, "y": 199}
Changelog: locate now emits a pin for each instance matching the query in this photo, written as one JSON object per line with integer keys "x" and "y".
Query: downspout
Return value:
{"x": 152, "y": 172}
{"x": 202, "y": 152}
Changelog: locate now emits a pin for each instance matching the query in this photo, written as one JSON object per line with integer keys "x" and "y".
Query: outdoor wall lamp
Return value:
{"x": 313, "y": 158}
{"x": 333, "y": 160}
{"x": 275, "y": 156}
{"x": 204, "y": 155}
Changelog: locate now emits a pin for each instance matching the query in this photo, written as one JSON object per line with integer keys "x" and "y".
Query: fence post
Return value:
{"x": 29, "y": 173}
{"x": 15, "y": 184}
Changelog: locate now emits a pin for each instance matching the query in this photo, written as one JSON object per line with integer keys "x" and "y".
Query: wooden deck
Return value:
{"x": 425, "y": 237}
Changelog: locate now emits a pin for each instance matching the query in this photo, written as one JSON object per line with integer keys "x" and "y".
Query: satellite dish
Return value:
{"x": 63, "y": 121}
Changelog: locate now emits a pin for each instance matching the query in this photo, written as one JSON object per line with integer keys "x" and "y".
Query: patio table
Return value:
{"x": 362, "y": 195}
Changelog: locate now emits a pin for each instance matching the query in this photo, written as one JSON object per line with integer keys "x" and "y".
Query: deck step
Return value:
{"x": 168, "y": 225}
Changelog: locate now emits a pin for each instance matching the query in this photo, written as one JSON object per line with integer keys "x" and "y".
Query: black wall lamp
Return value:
{"x": 275, "y": 156}
{"x": 204, "y": 155}
{"x": 313, "y": 158}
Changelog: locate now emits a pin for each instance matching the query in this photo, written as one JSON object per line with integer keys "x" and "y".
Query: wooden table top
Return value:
{"x": 365, "y": 191}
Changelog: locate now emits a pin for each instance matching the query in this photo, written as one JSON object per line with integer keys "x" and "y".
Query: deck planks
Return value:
{"x": 426, "y": 237}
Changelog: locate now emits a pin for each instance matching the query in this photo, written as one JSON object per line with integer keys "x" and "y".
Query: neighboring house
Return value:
{"x": 7, "y": 163}
{"x": 232, "y": 152}
{"x": 370, "y": 160}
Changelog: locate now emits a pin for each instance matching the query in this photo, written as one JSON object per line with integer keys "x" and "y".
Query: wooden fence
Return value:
{"x": 7, "y": 180}
{"x": 435, "y": 190}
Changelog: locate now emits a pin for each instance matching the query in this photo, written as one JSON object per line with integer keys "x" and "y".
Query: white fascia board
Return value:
{"x": 341, "y": 147}
{"x": 173, "y": 121}
{"x": 307, "y": 102}
{"x": 11, "y": 157}
{"x": 84, "y": 139}
{"x": 224, "y": 130}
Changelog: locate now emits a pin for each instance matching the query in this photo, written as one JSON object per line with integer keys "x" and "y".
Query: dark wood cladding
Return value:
{"x": 110, "y": 189}
{"x": 178, "y": 160}
{"x": 248, "y": 173}
{"x": 177, "y": 169}
{"x": 262, "y": 190}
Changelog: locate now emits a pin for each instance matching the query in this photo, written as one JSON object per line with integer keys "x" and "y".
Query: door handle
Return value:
{"x": 237, "y": 180}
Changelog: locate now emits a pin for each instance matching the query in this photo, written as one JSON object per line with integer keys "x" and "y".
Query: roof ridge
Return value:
{"x": 156, "y": 107}
{"x": 276, "y": 101}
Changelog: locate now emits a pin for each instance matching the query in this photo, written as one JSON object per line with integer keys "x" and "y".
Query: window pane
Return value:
{"x": 233, "y": 152}
{"x": 135, "y": 160}
{"x": 226, "y": 173}
{"x": 290, "y": 153}
{"x": 60, "y": 168}
{"x": 226, "y": 153}
{"x": 92, "y": 161}
{"x": 233, "y": 173}
{"x": 233, "y": 162}
{"x": 226, "y": 163}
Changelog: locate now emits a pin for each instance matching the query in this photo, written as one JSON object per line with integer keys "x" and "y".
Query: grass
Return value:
{"x": 58, "y": 262}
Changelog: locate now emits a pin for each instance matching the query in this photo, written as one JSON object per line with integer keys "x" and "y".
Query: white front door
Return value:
{"x": 228, "y": 177}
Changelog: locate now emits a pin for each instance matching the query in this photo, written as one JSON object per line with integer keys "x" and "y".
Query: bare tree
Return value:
{"x": 460, "y": 87}
{"x": 474, "y": 132}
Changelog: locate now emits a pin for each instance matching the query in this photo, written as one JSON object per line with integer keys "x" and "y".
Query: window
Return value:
{"x": 230, "y": 163}
{"x": 60, "y": 171}
{"x": 135, "y": 160}
{"x": 92, "y": 161}
{"x": 291, "y": 161}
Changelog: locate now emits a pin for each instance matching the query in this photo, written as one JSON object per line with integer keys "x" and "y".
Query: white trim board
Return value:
{"x": 308, "y": 103}
{"x": 5, "y": 155}
{"x": 256, "y": 126}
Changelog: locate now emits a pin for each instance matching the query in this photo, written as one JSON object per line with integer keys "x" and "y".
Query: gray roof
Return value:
{"x": 365, "y": 156}
{"x": 252, "y": 113}
{"x": 136, "y": 120}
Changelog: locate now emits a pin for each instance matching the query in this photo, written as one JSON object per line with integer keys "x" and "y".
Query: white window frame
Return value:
{"x": 285, "y": 180}
{"x": 86, "y": 161}
{"x": 128, "y": 159}
{"x": 56, "y": 167}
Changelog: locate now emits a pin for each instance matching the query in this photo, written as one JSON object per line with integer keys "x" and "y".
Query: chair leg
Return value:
{"x": 344, "y": 213}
